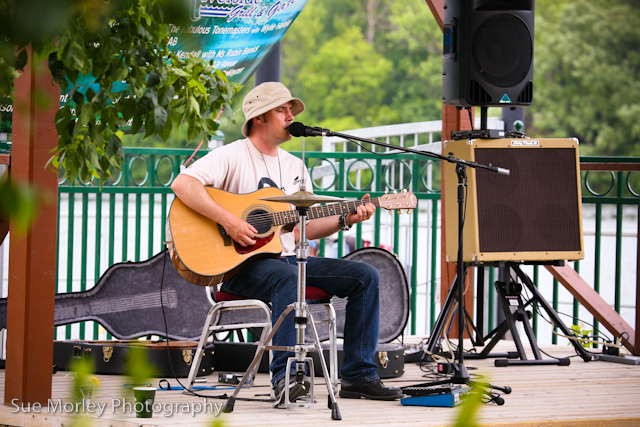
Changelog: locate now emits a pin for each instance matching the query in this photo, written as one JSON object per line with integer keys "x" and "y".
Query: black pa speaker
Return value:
{"x": 532, "y": 214}
{"x": 488, "y": 53}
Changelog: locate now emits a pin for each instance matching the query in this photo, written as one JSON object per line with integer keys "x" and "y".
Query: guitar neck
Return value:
{"x": 292, "y": 216}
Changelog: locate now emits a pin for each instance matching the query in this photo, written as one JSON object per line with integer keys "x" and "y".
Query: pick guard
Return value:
{"x": 260, "y": 242}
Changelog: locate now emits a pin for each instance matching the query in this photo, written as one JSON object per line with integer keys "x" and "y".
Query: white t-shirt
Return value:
{"x": 240, "y": 168}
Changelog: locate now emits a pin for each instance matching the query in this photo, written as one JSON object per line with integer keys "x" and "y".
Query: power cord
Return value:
{"x": 619, "y": 342}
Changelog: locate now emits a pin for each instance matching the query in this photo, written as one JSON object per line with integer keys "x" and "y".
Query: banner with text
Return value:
{"x": 236, "y": 34}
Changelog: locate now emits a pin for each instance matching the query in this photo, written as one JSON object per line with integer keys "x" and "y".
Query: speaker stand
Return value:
{"x": 514, "y": 309}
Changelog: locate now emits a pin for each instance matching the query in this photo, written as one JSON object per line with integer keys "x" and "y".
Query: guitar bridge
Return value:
{"x": 225, "y": 237}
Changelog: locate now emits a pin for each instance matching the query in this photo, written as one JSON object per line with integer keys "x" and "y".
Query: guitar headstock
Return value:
{"x": 398, "y": 201}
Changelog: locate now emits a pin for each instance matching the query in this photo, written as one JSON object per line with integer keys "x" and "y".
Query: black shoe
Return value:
{"x": 374, "y": 390}
{"x": 296, "y": 390}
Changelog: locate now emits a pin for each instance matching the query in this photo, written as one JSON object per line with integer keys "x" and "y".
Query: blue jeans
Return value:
{"x": 277, "y": 280}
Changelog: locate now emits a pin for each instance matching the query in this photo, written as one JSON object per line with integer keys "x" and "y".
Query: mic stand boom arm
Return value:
{"x": 449, "y": 159}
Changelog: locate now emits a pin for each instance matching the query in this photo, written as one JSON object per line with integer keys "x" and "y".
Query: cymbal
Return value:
{"x": 303, "y": 199}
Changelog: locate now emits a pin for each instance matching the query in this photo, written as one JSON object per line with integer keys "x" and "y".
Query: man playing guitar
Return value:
{"x": 255, "y": 162}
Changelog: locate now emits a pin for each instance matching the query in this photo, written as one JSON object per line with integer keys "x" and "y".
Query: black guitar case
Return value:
{"x": 110, "y": 357}
{"x": 127, "y": 302}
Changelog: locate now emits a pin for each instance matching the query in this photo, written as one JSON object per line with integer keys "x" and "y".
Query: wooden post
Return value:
{"x": 32, "y": 256}
{"x": 452, "y": 119}
{"x": 636, "y": 347}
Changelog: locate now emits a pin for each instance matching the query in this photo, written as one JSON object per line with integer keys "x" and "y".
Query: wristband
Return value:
{"x": 342, "y": 223}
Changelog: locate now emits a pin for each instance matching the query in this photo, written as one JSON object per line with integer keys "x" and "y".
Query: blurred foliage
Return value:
{"x": 82, "y": 367}
{"x": 138, "y": 369}
{"x": 99, "y": 45}
{"x": 467, "y": 414}
{"x": 19, "y": 203}
{"x": 583, "y": 333}
{"x": 587, "y": 74}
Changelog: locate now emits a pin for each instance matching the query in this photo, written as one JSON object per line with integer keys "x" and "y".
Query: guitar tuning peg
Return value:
{"x": 390, "y": 212}
{"x": 400, "y": 212}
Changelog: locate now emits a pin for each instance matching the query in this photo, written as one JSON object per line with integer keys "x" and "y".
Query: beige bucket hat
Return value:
{"x": 265, "y": 97}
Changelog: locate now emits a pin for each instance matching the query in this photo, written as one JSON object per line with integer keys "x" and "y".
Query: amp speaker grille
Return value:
{"x": 536, "y": 209}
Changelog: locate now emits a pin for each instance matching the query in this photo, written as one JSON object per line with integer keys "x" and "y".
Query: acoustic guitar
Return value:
{"x": 204, "y": 254}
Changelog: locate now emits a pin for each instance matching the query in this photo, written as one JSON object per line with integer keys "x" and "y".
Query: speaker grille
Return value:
{"x": 526, "y": 96}
{"x": 502, "y": 50}
{"x": 535, "y": 209}
{"x": 477, "y": 94}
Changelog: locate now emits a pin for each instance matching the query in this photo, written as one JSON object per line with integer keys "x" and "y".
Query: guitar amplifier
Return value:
{"x": 533, "y": 214}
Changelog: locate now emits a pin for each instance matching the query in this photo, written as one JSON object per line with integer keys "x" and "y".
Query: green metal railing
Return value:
{"x": 125, "y": 220}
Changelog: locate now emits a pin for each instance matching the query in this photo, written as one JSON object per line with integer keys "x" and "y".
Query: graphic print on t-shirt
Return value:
{"x": 266, "y": 182}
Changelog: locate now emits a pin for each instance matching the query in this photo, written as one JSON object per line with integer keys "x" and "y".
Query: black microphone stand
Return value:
{"x": 460, "y": 373}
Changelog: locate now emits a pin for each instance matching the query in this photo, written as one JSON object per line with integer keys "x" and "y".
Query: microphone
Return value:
{"x": 500, "y": 171}
{"x": 298, "y": 129}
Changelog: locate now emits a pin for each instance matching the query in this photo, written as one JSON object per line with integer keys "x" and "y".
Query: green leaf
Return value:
{"x": 114, "y": 151}
{"x": 21, "y": 60}
{"x": 167, "y": 97}
{"x": 85, "y": 113}
{"x": 91, "y": 154}
{"x": 153, "y": 79}
{"x": 160, "y": 118}
{"x": 195, "y": 82}
{"x": 180, "y": 73}
{"x": 165, "y": 133}
{"x": 62, "y": 120}
{"x": 137, "y": 124}
{"x": 148, "y": 102}
{"x": 193, "y": 106}
{"x": 77, "y": 97}
{"x": 77, "y": 57}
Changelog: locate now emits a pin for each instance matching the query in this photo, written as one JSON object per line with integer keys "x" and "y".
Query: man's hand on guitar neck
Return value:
{"x": 363, "y": 212}
{"x": 324, "y": 227}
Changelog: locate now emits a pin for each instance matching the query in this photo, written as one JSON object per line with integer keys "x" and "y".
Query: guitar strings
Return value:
{"x": 268, "y": 219}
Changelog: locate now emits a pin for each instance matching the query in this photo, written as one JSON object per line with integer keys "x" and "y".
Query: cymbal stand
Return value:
{"x": 299, "y": 361}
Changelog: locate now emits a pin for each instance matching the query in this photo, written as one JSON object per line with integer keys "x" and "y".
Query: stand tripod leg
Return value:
{"x": 510, "y": 320}
{"x": 551, "y": 313}
{"x": 499, "y": 332}
{"x": 228, "y": 406}
{"x": 439, "y": 325}
{"x": 332, "y": 403}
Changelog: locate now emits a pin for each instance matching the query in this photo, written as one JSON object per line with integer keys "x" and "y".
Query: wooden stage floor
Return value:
{"x": 591, "y": 394}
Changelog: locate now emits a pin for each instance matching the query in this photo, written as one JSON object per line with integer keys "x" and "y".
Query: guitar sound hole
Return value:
{"x": 261, "y": 220}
